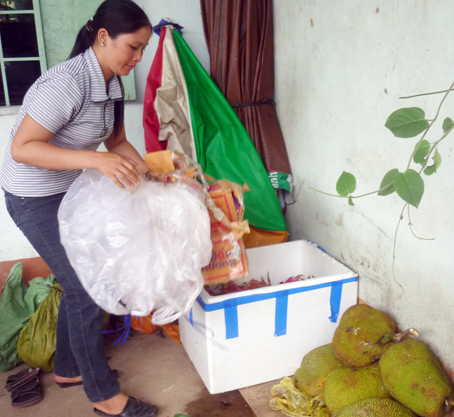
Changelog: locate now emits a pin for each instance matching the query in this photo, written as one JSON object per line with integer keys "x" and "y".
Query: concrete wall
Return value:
{"x": 340, "y": 70}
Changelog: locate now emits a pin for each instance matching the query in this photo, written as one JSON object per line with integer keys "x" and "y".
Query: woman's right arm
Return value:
{"x": 31, "y": 146}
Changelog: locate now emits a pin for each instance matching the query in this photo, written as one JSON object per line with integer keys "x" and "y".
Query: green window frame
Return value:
{"x": 36, "y": 12}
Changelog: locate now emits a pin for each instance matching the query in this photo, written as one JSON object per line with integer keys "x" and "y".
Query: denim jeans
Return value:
{"x": 80, "y": 346}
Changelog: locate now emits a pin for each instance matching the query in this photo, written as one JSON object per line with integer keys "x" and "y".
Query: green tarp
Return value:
{"x": 224, "y": 148}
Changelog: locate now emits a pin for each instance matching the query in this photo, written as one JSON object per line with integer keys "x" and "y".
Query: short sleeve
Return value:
{"x": 55, "y": 101}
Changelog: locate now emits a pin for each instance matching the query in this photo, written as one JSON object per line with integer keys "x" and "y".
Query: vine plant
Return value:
{"x": 406, "y": 122}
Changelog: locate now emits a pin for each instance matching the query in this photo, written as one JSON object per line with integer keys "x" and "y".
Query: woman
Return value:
{"x": 67, "y": 113}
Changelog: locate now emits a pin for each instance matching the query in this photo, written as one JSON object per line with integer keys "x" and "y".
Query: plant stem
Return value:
{"x": 353, "y": 196}
{"x": 430, "y": 125}
{"x": 434, "y": 147}
{"x": 322, "y": 192}
{"x": 425, "y": 94}
{"x": 411, "y": 227}
{"x": 394, "y": 249}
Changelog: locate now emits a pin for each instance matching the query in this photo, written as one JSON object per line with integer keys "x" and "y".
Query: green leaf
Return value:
{"x": 407, "y": 122}
{"x": 421, "y": 152}
{"x": 447, "y": 124}
{"x": 350, "y": 201}
{"x": 388, "y": 179}
{"x": 410, "y": 186}
{"x": 437, "y": 162}
{"x": 346, "y": 184}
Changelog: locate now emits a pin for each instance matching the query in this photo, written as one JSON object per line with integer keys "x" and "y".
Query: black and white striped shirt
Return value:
{"x": 69, "y": 100}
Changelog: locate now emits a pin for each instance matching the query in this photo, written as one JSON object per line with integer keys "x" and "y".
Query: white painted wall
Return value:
{"x": 13, "y": 245}
{"x": 340, "y": 70}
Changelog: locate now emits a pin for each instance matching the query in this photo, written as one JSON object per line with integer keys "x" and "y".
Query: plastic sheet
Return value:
{"x": 17, "y": 304}
{"x": 226, "y": 207}
{"x": 38, "y": 339}
{"x": 289, "y": 400}
{"x": 137, "y": 249}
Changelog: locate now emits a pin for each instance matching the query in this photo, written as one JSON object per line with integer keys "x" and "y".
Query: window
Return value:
{"x": 22, "y": 55}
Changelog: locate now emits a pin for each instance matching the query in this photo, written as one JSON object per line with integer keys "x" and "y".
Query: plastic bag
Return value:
{"x": 37, "y": 340}
{"x": 224, "y": 200}
{"x": 145, "y": 325}
{"x": 17, "y": 304}
{"x": 137, "y": 249}
{"x": 289, "y": 400}
{"x": 229, "y": 259}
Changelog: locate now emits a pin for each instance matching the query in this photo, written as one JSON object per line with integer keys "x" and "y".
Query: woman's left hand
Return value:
{"x": 119, "y": 168}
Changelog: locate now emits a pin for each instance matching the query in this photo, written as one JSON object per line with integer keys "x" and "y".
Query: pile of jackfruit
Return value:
{"x": 369, "y": 370}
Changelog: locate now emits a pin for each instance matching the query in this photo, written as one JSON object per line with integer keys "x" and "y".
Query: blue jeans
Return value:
{"x": 80, "y": 346}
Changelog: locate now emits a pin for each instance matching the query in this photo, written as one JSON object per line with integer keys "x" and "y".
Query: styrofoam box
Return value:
{"x": 255, "y": 336}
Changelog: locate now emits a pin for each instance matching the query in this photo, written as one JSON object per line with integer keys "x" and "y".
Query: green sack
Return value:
{"x": 17, "y": 304}
{"x": 38, "y": 339}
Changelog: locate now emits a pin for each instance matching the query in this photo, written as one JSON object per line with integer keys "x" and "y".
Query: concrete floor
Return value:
{"x": 153, "y": 368}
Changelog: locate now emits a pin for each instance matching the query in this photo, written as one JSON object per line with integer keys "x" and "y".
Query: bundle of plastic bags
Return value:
{"x": 289, "y": 400}
{"x": 138, "y": 249}
{"x": 38, "y": 339}
{"x": 17, "y": 304}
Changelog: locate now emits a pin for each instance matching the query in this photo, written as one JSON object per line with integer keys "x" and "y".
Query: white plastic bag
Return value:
{"x": 137, "y": 249}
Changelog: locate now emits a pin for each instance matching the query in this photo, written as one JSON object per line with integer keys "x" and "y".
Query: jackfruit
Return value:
{"x": 362, "y": 336}
{"x": 414, "y": 376}
{"x": 315, "y": 366}
{"x": 347, "y": 385}
{"x": 375, "y": 407}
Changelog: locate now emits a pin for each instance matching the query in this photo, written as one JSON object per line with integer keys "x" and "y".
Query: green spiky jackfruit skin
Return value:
{"x": 376, "y": 407}
{"x": 360, "y": 340}
{"x": 414, "y": 376}
{"x": 347, "y": 385}
{"x": 310, "y": 377}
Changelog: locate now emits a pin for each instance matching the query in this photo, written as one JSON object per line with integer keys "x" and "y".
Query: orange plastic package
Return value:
{"x": 224, "y": 200}
{"x": 228, "y": 260}
{"x": 145, "y": 326}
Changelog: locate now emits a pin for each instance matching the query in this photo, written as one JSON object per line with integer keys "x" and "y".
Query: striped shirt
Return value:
{"x": 69, "y": 100}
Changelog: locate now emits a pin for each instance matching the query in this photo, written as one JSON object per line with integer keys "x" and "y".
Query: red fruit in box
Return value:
{"x": 230, "y": 287}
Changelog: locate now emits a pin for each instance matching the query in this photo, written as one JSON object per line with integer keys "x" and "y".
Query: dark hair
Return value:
{"x": 117, "y": 17}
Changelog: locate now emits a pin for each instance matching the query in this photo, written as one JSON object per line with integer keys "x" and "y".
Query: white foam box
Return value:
{"x": 250, "y": 337}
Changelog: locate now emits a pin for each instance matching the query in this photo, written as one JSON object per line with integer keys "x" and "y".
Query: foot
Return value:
{"x": 60, "y": 379}
{"x": 114, "y": 405}
{"x": 69, "y": 382}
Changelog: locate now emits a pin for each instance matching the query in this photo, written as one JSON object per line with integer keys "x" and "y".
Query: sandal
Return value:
{"x": 73, "y": 384}
{"x": 133, "y": 408}
{"x": 16, "y": 380}
{"x": 29, "y": 393}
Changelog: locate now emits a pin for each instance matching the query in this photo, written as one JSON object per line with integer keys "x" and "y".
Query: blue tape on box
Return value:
{"x": 230, "y": 306}
{"x": 334, "y": 300}
{"x": 280, "y": 321}
{"x": 231, "y": 318}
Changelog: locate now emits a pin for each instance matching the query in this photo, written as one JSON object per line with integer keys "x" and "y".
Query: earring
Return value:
{"x": 103, "y": 44}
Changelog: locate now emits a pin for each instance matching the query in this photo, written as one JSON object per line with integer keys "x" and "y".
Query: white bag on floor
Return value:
{"x": 137, "y": 249}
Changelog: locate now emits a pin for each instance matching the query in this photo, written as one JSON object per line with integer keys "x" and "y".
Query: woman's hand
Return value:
{"x": 120, "y": 169}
